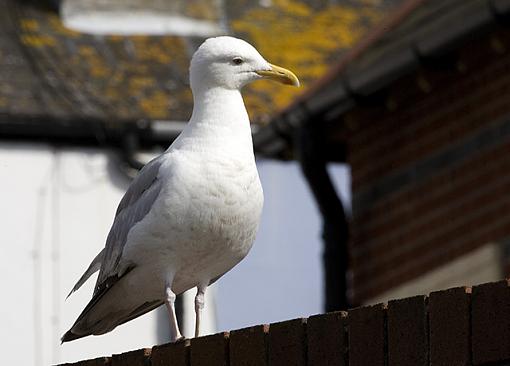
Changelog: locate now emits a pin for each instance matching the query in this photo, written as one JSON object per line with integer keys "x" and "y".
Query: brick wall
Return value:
{"x": 430, "y": 166}
{"x": 456, "y": 327}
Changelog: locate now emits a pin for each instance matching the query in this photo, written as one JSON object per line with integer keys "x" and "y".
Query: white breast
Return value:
{"x": 205, "y": 221}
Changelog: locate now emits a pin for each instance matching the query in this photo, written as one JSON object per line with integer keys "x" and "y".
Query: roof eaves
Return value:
{"x": 84, "y": 131}
{"x": 328, "y": 97}
{"x": 435, "y": 41}
{"x": 387, "y": 70}
{"x": 501, "y": 7}
{"x": 268, "y": 142}
{"x": 448, "y": 32}
{"x": 371, "y": 38}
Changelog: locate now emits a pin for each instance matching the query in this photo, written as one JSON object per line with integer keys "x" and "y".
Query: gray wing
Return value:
{"x": 93, "y": 267}
{"x": 133, "y": 207}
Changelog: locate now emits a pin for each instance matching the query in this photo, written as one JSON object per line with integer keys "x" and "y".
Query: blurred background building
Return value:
{"x": 408, "y": 97}
{"x": 420, "y": 112}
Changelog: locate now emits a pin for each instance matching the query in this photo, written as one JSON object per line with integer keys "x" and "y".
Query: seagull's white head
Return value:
{"x": 230, "y": 63}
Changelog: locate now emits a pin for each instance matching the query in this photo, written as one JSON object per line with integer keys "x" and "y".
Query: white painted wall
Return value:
{"x": 57, "y": 208}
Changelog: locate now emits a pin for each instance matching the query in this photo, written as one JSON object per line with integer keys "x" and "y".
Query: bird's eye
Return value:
{"x": 237, "y": 60}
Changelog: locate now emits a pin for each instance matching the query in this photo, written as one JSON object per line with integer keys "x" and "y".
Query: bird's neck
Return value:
{"x": 222, "y": 107}
{"x": 219, "y": 120}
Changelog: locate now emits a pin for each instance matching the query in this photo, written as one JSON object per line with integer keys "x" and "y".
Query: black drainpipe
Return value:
{"x": 312, "y": 154}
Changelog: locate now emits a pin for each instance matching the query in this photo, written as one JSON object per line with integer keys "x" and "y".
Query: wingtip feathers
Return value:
{"x": 69, "y": 336}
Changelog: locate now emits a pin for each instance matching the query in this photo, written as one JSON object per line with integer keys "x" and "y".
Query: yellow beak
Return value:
{"x": 280, "y": 75}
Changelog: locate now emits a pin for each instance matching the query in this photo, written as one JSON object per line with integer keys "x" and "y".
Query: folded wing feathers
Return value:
{"x": 133, "y": 207}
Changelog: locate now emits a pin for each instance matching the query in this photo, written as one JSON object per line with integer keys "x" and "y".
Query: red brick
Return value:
{"x": 248, "y": 346}
{"x": 327, "y": 339}
{"x": 447, "y": 228}
{"x": 487, "y": 160}
{"x": 425, "y": 227}
{"x": 408, "y": 332}
{"x": 449, "y": 319}
{"x": 287, "y": 343}
{"x": 418, "y": 203}
{"x": 210, "y": 350}
{"x": 367, "y": 336}
{"x": 490, "y": 323}
{"x": 171, "y": 354}
{"x": 420, "y": 133}
{"x": 457, "y": 242}
{"x": 426, "y": 240}
{"x": 140, "y": 357}
{"x": 440, "y": 122}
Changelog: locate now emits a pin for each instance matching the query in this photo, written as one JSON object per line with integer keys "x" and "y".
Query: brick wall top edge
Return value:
{"x": 341, "y": 313}
{"x": 466, "y": 289}
{"x": 490, "y": 304}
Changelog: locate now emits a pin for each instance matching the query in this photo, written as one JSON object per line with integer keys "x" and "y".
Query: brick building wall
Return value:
{"x": 430, "y": 166}
{"x": 457, "y": 327}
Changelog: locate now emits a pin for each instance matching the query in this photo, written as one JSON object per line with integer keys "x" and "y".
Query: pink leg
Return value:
{"x": 175, "y": 333}
{"x": 199, "y": 305}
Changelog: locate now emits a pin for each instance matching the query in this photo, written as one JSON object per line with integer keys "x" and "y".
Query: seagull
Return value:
{"x": 192, "y": 213}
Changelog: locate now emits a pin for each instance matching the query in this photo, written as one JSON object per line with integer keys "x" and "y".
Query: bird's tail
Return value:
{"x": 142, "y": 309}
{"x": 112, "y": 305}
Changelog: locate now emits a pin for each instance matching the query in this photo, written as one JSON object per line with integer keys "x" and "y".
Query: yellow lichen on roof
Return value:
{"x": 37, "y": 40}
{"x": 89, "y": 57}
{"x": 148, "y": 50}
{"x": 4, "y": 102}
{"x": 156, "y": 104}
{"x": 28, "y": 24}
{"x": 295, "y": 36}
{"x": 122, "y": 77}
{"x": 30, "y": 35}
{"x": 87, "y": 51}
{"x": 147, "y": 76}
{"x": 57, "y": 26}
{"x": 202, "y": 10}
